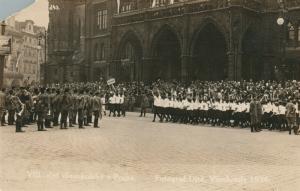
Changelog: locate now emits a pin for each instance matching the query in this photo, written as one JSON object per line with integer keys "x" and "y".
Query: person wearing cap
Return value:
{"x": 96, "y": 108}
{"x": 56, "y": 107}
{"x": 41, "y": 110}
{"x": 19, "y": 116}
{"x": 290, "y": 114}
{"x": 64, "y": 107}
{"x": 73, "y": 108}
{"x": 255, "y": 114}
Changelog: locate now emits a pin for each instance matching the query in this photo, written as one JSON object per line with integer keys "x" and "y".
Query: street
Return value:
{"x": 134, "y": 153}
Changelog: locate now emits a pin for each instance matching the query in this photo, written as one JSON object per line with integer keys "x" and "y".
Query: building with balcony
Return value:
{"x": 134, "y": 40}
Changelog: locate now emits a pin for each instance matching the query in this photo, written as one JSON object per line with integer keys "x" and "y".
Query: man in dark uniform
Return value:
{"x": 41, "y": 111}
{"x": 255, "y": 114}
{"x": 144, "y": 104}
{"x": 89, "y": 110}
{"x": 80, "y": 107}
{"x": 49, "y": 99}
{"x": 25, "y": 99}
{"x": 291, "y": 117}
{"x": 73, "y": 109}
{"x": 64, "y": 107}
{"x": 20, "y": 108}
{"x": 11, "y": 107}
{"x": 56, "y": 107}
{"x": 86, "y": 108}
{"x": 96, "y": 108}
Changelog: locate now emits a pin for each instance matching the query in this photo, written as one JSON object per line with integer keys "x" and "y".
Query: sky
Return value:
{"x": 36, "y": 10}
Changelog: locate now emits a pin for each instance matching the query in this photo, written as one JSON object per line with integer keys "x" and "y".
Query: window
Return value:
{"x": 291, "y": 32}
{"x": 79, "y": 30}
{"x": 127, "y": 6}
{"x": 102, "y": 52}
{"x": 158, "y": 3}
{"x": 96, "y": 52}
{"x": 102, "y": 19}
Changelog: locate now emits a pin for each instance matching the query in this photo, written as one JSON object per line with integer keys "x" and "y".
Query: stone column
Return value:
{"x": 185, "y": 61}
{"x": 147, "y": 64}
{"x": 239, "y": 64}
{"x": 231, "y": 63}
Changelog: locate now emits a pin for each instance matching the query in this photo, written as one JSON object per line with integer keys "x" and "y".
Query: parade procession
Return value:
{"x": 149, "y": 95}
{"x": 258, "y": 105}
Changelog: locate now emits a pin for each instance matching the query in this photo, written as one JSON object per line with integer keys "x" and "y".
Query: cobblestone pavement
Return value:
{"x": 133, "y": 153}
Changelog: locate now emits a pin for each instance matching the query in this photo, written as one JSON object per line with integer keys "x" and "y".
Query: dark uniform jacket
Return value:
{"x": 64, "y": 102}
{"x": 96, "y": 103}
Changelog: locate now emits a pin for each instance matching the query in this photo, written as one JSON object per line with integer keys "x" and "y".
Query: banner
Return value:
{"x": 153, "y": 3}
{"x": 118, "y": 6}
{"x": 111, "y": 81}
{"x": 18, "y": 61}
{"x": 5, "y": 45}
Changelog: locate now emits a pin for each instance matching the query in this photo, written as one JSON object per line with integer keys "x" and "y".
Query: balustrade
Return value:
{"x": 179, "y": 8}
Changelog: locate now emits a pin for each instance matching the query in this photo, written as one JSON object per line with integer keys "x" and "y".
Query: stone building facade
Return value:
{"x": 134, "y": 40}
{"x": 22, "y": 66}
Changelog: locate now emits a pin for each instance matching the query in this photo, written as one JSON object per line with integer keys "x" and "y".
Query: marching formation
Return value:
{"x": 51, "y": 107}
{"x": 272, "y": 116}
{"x": 270, "y": 105}
{"x": 263, "y": 104}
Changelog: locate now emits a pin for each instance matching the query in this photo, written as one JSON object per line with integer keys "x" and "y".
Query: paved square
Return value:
{"x": 133, "y": 153}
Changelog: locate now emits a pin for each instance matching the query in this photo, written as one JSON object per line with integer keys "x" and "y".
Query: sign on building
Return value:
{"x": 5, "y": 45}
{"x": 111, "y": 81}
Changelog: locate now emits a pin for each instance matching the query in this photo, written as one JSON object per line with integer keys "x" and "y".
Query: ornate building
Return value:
{"x": 173, "y": 39}
{"x": 22, "y": 66}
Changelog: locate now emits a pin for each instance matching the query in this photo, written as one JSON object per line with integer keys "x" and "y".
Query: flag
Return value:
{"x": 154, "y": 3}
{"x": 118, "y": 5}
{"x": 18, "y": 60}
{"x": 7, "y": 61}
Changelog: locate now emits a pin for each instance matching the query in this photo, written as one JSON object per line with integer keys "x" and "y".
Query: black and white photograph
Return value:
{"x": 149, "y": 95}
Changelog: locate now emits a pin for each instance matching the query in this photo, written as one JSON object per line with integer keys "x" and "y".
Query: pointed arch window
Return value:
{"x": 298, "y": 32}
{"x": 102, "y": 52}
{"x": 96, "y": 52}
{"x": 291, "y": 32}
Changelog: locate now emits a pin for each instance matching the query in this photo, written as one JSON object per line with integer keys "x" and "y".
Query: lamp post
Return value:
{"x": 3, "y": 26}
{"x": 43, "y": 36}
{"x": 281, "y": 20}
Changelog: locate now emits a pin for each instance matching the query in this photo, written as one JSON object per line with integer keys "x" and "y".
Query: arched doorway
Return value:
{"x": 251, "y": 66}
{"x": 129, "y": 67}
{"x": 209, "y": 53}
{"x": 166, "y": 52}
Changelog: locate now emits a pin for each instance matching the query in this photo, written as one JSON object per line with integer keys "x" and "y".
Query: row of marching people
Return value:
{"x": 51, "y": 107}
{"x": 254, "y": 113}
